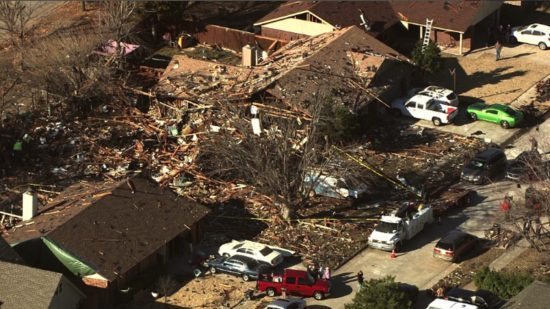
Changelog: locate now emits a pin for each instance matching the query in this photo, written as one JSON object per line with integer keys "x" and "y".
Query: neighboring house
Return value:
{"x": 348, "y": 64}
{"x": 456, "y": 23}
{"x": 533, "y": 296}
{"x": 297, "y": 19}
{"x": 32, "y": 288}
{"x": 109, "y": 233}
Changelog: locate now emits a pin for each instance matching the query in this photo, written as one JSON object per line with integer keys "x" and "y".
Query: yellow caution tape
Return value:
{"x": 372, "y": 169}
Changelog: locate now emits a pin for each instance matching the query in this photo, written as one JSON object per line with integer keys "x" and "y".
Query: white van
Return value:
{"x": 441, "y": 303}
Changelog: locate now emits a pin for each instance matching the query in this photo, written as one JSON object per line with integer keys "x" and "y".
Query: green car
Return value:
{"x": 502, "y": 114}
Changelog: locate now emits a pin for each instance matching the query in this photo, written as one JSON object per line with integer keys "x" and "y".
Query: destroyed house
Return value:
{"x": 456, "y": 24}
{"x": 348, "y": 64}
{"x": 107, "y": 233}
{"x": 297, "y": 19}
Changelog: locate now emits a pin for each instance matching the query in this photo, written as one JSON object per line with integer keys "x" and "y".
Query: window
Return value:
{"x": 411, "y": 104}
{"x": 266, "y": 251}
{"x": 527, "y": 32}
{"x": 420, "y": 106}
{"x": 538, "y": 33}
{"x": 292, "y": 306}
{"x": 490, "y": 111}
{"x": 242, "y": 250}
{"x": 305, "y": 281}
{"x": 291, "y": 280}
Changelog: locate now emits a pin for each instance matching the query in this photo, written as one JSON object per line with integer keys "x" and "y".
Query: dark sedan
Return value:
{"x": 239, "y": 265}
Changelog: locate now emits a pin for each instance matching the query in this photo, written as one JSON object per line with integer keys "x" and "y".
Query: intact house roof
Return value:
{"x": 295, "y": 72}
{"x": 110, "y": 228}
{"x": 534, "y": 295}
{"x": 26, "y": 287}
{"x": 454, "y": 15}
{"x": 379, "y": 14}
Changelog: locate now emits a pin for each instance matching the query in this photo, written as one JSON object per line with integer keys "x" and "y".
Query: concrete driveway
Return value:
{"x": 416, "y": 265}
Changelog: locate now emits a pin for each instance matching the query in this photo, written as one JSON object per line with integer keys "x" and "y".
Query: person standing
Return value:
{"x": 360, "y": 279}
{"x": 498, "y": 49}
{"x": 326, "y": 273}
{"x": 505, "y": 207}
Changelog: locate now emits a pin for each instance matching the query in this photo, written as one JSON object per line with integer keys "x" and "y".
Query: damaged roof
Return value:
{"x": 110, "y": 228}
{"x": 379, "y": 14}
{"x": 295, "y": 71}
{"x": 457, "y": 15}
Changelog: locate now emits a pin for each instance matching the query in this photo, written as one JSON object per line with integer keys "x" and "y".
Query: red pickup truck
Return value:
{"x": 295, "y": 282}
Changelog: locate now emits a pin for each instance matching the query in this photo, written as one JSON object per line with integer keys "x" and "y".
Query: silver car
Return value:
{"x": 287, "y": 303}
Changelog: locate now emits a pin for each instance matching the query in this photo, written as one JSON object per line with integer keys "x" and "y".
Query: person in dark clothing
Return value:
{"x": 360, "y": 279}
{"x": 498, "y": 49}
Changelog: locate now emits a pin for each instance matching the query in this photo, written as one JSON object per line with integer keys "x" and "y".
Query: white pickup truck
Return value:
{"x": 401, "y": 225}
{"x": 425, "y": 107}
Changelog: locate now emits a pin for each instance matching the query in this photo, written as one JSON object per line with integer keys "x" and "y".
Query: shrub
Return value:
{"x": 504, "y": 284}
{"x": 380, "y": 294}
{"x": 428, "y": 59}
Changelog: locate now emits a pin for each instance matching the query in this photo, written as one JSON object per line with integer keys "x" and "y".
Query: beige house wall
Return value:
{"x": 299, "y": 26}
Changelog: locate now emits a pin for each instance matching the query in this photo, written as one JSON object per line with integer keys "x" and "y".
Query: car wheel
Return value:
{"x": 226, "y": 255}
{"x": 318, "y": 295}
{"x": 213, "y": 270}
{"x": 245, "y": 277}
{"x": 504, "y": 124}
{"x": 270, "y": 292}
{"x": 542, "y": 45}
{"x": 473, "y": 116}
{"x": 436, "y": 122}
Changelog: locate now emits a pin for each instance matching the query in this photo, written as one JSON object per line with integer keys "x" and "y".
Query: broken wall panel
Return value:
{"x": 235, "y": 39}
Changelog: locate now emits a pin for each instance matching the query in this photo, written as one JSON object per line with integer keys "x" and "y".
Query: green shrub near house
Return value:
{"x": 504, "y": 284}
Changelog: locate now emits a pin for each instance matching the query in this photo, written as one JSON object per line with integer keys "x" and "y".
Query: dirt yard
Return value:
{"x": 479, "y": 76}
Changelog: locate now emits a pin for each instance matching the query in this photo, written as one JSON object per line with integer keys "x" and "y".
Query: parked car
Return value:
{"x": 332, "y": 186}
{"x": 295, "y": 282}
{"x": 287, "y": 303}
{"x": 535, "y": 34}
{"x": 502, "y": 114}
{"x": 467, "y": 296}
{"x": 528, "y": 165}
{"x": 484, "y": 166}
{"x": 254, "y": 250}
{"x": 453, "y": 246}
{"x": 440, "y": 94}
{"x": 245, "y": 267}
{"x": 440, "y": 303}
{"x": 424, "y": 107}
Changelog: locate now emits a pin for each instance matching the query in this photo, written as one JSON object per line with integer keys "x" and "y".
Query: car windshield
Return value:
{"x": 510, "y": 111}
{"x": 266, "y": 251}
{"x": 237, "y": 246}
{"x": 477, "y": 164}
{"x": 386, "y": 227}
{"x": 451, "y": 96}
{"x": 444, "y": 246}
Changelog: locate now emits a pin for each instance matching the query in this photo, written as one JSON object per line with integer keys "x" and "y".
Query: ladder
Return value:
{"x": 427, "y": 33}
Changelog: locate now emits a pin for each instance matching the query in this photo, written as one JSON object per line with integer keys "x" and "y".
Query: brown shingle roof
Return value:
{"x": 457, "y": 15}
{"x": 379, "y": 14}
{"x": 108, "y": 227}
{"x": 26, "y": 287}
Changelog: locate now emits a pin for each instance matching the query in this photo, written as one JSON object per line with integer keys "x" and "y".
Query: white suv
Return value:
{"x": 440, "y": 94}
{"x": 535, "y": 34}
{"x": 255, "y": 250}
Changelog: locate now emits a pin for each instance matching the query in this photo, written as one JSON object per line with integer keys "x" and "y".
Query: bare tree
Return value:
{"x": 15, "y": 19}
{"x": 65, "y": 65}
{"x": 9, "y": 79}
{"x": 166, "y": 285}
{"x": 275, "y": 162}
{"x": 117, "y": 18}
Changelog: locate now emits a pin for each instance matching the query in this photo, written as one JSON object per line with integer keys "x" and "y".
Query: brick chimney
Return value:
{"x": 30, "y": 205}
